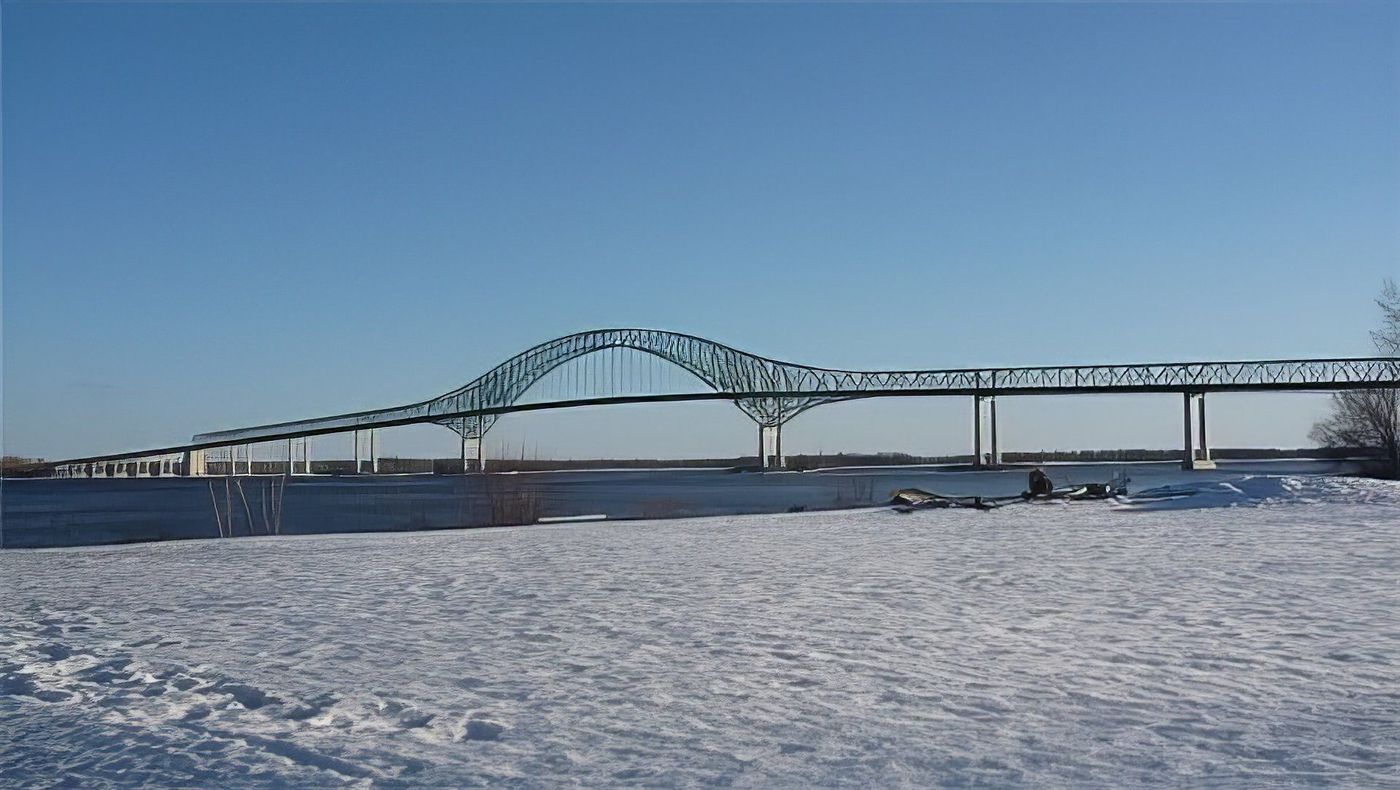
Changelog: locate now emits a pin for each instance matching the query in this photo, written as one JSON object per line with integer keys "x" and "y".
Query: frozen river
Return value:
{"x": 1062, "y": 645}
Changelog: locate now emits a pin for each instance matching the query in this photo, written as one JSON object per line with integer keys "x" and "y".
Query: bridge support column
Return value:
{"x": 357, "y": 452}
{"x": 1193, "y": 458}
{"x": 996, "y": 451}
{"x": 472, "y": 454}
{"x": 1204, "y": 461}
{"x": 1188, "y": 457}
{"x": 374, "y": 451}
{"x": 770, "y": 446}
{"x": 976, "y": 431}
{"x": 187, "y": 463}
{"x": 306, "y": 454}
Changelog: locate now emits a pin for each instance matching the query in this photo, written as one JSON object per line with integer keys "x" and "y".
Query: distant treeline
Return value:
{"x": 1218, "y": 453}
{"x": 13, "y": 465}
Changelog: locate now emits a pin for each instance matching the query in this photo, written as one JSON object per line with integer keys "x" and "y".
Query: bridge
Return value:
{"x": 621, "y": 366}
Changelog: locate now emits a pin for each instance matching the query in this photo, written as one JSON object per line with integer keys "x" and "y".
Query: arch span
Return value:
{"x": 722, "y": 368}
{"x": 772, "y": 391}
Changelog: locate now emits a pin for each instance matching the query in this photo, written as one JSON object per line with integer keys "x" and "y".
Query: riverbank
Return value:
{"x": 1034, "y": 646}
{"x": 42, "y": 513}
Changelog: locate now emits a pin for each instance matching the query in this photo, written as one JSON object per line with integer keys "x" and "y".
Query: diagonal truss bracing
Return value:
{"x": 771, "y": 391}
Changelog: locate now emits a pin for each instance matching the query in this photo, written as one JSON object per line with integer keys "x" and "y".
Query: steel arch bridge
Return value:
{"x": 772, "y": 392}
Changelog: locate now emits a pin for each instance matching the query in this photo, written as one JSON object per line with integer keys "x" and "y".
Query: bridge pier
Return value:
{"x": 770, "y": 446}
{"x": 996, "y": 451}
{"x": 1193, "y": 458}
{"x": 472, "y": 454}
{"x": 979, "y": 415}
{"x": 370, "y": 444}
{"x": 305, "y": 457}
{"x": 976, "y": 430}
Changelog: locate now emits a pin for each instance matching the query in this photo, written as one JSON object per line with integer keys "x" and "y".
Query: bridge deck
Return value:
{"x": 1250, "y": 376}
{"x": 772, "y": 391}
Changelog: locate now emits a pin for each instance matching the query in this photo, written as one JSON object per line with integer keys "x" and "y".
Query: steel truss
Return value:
{"x": 771, "y": 392}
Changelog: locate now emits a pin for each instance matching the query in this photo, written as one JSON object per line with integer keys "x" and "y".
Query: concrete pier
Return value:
{"x": 996, "y": 450}
{"x": 1193, "y": 457}
{"x": 770, "y": 446}
{"x": 976, "y": 430}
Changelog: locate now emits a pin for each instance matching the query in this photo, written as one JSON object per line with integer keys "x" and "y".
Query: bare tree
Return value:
{"x": 1370, "y": 418}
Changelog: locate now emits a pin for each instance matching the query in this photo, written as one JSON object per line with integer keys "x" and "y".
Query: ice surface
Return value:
{"x": 1092, "y": 644}
{"x": 1260, "y": 491}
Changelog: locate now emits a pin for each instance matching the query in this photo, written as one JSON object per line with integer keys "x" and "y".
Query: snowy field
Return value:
{"x": 1248, "y": 636}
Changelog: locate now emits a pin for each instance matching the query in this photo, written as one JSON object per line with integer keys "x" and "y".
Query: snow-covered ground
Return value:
{"x": 1090, "y": 644}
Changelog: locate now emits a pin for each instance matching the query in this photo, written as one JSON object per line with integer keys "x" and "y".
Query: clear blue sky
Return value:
{"x": 219, "y": 215}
